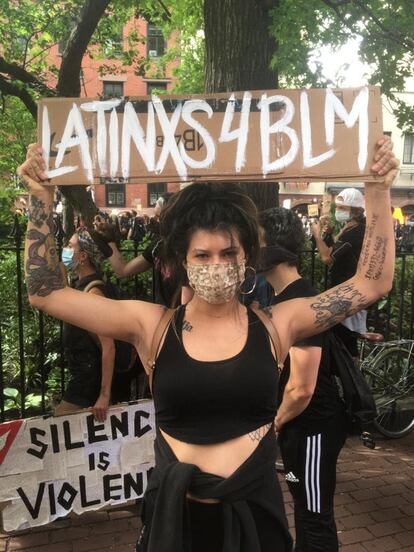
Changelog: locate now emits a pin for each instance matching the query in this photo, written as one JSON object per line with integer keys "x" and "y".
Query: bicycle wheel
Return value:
{"x": 391, "y": 377}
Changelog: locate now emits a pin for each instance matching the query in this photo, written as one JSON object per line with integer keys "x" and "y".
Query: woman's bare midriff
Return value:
{"x": 220, "y": 459}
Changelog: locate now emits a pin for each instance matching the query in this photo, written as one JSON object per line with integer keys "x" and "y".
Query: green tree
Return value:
{"x": 248, "y": 44}
{"x": 30, "y": 29}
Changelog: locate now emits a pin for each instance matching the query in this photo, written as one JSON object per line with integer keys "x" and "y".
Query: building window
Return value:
{"x": 113, "y": 89}
{"x": 155, "y": 87}
{"x": 155, "y": 41}
{"x": 113, "y": 45}
{"x": 155, "y": 190}
{"x": 408, "y": 155}
{"x": 115, "y": 195}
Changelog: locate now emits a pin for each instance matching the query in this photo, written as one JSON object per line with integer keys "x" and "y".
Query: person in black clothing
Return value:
{"x": 342, "y": 255}
{"x": 166, "y": 288}
{"x": 310, "y": 418}
{"x": 215, "y": 396}
{"x": 90, "y": 358}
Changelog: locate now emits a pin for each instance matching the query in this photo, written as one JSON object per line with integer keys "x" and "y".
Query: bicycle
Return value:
{"x": 389, "y": 370}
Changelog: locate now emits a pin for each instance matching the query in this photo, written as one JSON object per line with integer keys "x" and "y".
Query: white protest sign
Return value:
{"x": 51, "y": 466}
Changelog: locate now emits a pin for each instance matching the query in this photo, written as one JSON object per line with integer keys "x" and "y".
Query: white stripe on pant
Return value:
{"x": 312, "y": 473}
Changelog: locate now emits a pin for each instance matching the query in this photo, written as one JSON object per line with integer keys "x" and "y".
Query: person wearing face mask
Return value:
{"x": 213, "y": 367}
{"x": 90, "y": 358}
{"x": 341, "y": 254}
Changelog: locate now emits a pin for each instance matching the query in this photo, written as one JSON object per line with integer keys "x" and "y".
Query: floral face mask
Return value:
{"x": 216, "y": 283}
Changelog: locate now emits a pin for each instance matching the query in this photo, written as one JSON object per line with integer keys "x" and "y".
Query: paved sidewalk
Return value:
{"x": 374, "y": 509}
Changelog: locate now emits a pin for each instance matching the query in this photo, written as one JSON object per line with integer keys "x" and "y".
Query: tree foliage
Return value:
{"x": 91, "y": 28}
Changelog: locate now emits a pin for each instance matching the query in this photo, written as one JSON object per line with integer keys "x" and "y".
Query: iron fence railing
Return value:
{"x": 32, "y": 364}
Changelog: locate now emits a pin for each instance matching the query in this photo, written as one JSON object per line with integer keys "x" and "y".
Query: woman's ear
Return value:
{"x": 83, "y": 256}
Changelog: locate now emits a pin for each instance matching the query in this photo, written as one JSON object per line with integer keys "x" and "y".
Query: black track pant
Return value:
{"x": 310, "y": 470}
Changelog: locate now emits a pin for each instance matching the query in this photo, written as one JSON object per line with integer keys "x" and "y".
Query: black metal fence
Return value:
{"x": 32, "y": 364}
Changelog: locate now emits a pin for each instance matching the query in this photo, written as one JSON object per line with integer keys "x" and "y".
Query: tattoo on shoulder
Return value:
{"x": 334, "y": 306}
{"x": 268, "y": 311}
{"x": 187, "y": 327}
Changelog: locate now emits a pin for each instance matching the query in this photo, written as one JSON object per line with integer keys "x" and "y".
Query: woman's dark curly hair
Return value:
{"x": 207, "y": 206}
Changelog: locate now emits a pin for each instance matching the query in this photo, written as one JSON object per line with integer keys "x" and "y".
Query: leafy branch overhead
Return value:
{"x": 96, "y": 29}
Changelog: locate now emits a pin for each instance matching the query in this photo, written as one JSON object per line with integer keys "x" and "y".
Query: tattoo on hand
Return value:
{"x": 336, "y": 305}
{"x": 187, "y": 327}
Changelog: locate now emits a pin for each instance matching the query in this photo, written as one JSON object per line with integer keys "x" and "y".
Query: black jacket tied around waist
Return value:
{"x": 165, "y": 518}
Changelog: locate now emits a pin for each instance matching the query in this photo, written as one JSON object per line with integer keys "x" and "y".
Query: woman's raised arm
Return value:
{"x": 46, "y": 288}
{"x": 298, "y": 318}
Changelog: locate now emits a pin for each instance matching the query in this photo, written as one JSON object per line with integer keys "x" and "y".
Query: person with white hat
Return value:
{"x": 342, "y": 254}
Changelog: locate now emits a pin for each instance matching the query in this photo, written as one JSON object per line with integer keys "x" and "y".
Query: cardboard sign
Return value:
{"x": 313, "y": 210}
{"x": 315, "y": 134}
{"x": 54, "y": 465}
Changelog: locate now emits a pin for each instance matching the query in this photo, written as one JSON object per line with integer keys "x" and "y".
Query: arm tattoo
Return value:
{"x": 369, "y": 232}
{"x": 377, "y": 259}
{"x": 336, "y": 305}
{"x": 187, "y": 327}
{"x": 268, "y": 311}
{"x": 372, "y": 262}
{"x": 37, "y": 214}
{"x": 258, "y": 434}
{"x": 43, "y": 273}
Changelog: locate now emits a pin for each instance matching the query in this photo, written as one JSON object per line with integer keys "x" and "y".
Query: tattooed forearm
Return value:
{"x": 37, "y": 213}
{"x": 377, "y": 259}
{"x": 187, "y": 327}
{"x": 336, "y": 305}
{"x": 366, "y": 246}
{"x": 43, "y": 274}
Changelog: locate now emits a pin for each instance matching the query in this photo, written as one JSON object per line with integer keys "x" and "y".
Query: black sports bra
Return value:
{"x": 201, "y": 402}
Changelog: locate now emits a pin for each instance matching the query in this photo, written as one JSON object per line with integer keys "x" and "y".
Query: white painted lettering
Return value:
{"x": 132, "y": 129}
{"x": 113, "y": 144}
{"x": 188, "y": 108}
{"x": 101, "y": 134}
{"x": 46, "y": 145}
{"x": 170, "y": 145}
{"x": 75, "y": 135}
{"x": 240, "y": 134}
{"x": 308, "y": 159}
{"x": 280, "y": 126}
{"x": 359, "y": 111}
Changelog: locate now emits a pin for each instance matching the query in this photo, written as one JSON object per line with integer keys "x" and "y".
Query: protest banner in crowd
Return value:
{"x": 282, "y": 135}
{"x": 50, "y": 466}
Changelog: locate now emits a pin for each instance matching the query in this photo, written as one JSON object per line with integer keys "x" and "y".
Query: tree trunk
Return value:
{"x": 69, "y": 86}
{"x": 239, "y": 50}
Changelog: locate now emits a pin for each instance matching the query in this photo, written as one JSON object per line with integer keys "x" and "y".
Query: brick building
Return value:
{"x": 122, "y": 81}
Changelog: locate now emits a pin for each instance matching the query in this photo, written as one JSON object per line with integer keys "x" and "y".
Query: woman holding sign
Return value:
{"x": 214, "y": 486}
